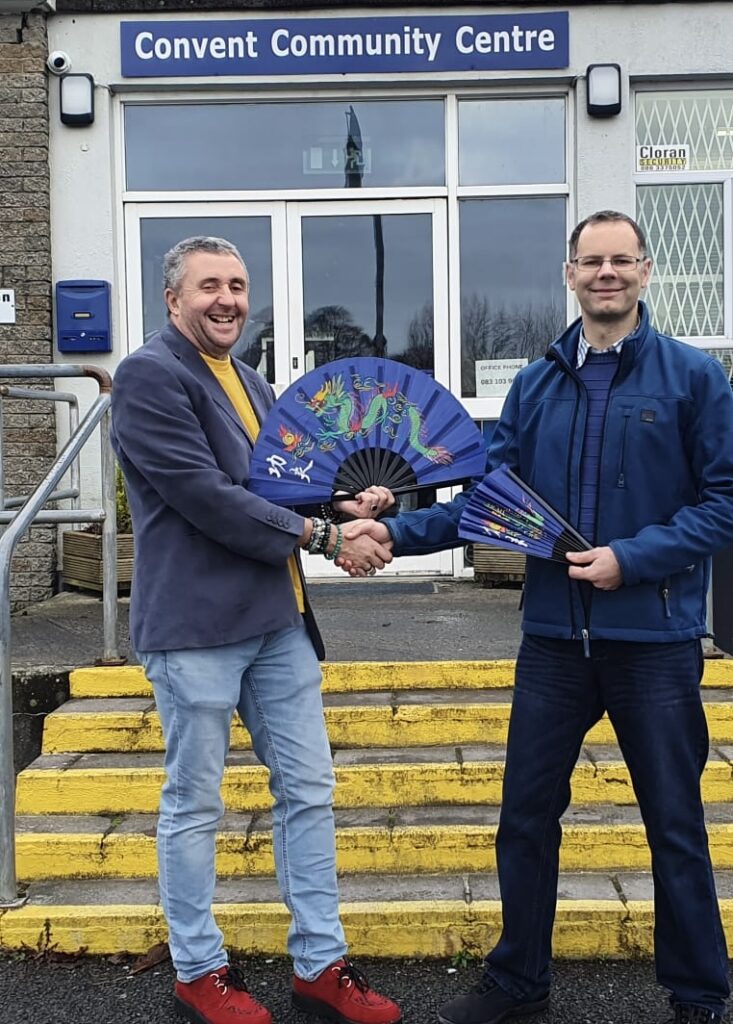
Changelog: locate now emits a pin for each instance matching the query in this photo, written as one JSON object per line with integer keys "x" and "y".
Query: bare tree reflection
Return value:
{"x": 491, "y": 332}
{"x": 330, "y": 333}
{"x": 256, "y": 347}
{"x": 420, "y": 334}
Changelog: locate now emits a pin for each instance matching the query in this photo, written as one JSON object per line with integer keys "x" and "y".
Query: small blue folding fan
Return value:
{"x": 505, "y": 513}
{"x": 356, "y": 422}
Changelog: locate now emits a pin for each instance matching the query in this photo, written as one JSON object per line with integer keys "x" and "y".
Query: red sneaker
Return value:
{"x": 219, "y": 997}
{"x": 341, "y": 994}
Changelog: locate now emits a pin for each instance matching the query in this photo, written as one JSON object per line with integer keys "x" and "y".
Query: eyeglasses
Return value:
{"x": 594, "y": 263}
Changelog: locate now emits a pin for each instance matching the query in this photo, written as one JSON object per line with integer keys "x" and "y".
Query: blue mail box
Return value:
{"x": 83, "y": 317}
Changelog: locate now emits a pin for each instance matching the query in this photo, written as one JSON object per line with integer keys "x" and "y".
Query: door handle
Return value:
{"x": 295, "y": 362}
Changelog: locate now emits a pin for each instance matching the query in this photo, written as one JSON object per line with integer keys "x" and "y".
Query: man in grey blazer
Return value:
{"x": 221, "y": 622}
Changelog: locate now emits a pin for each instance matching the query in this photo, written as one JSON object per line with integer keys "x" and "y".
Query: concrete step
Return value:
{"x": 414, "y": 718}
{"x": 121, "y": 783}
{"x": 599, "y": 915}
{"x": 355, "y": 676}
{"x": 400, "y": 840}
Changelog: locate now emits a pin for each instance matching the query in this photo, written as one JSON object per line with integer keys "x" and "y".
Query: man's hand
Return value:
{"x": 367, "y": 546}
{"x": 368, "y": 528}
{"x": 367, "y": 505}
{"x": 598, "y": 566}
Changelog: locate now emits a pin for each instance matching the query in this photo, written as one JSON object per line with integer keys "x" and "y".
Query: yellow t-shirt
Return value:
{"x": 232, "y": 385}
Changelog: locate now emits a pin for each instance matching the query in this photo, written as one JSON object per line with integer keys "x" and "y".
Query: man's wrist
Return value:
{"x": 332, "y": 538}
{"x": 307, "y": 533}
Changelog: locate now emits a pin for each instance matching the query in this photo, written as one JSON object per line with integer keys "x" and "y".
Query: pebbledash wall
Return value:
{"x": 433, "y": 156}
{"x": 29, "y": 436}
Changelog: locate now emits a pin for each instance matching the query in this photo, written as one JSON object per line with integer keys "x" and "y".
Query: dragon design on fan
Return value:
{"x": 349, "y": 414}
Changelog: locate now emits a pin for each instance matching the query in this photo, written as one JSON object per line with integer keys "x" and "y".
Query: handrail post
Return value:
{"x": 2, "y": 470}
{"x": 8, "y": 882}
{"x": 109, "y": 544}
{"x": 20, "y": 522}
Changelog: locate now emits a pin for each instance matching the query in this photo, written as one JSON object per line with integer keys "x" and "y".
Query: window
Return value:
{"x": 684, "y": 228}
{"x": 511, "y": 142}
{"x": 513, "y": 300}
{"x": 512, "y": 223}
{"x": 684, "y": 211}
{"x": 242, "y": 146}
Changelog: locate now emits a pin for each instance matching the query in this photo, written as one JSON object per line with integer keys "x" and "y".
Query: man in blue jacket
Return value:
{"x": 629, "y": 434}
{"x": 221, "y": 622}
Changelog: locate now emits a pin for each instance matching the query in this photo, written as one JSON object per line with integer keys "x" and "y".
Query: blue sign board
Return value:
{"x": 337, "y": 46}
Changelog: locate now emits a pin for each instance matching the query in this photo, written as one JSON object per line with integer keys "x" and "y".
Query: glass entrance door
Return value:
{"x": 328, "y": 280}
{"x": 371, "y": 279}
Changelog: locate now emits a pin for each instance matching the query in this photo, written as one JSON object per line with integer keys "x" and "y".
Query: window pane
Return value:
{"x": 512, "y": 292}
{"x": 511, "y": 142}
{"x": 284, "y": 145}
{"x": 368, "y": 288}
{"x": 684, "y": 229}
{"x": 251, "y": 235}
{"x": 701, "y": 120}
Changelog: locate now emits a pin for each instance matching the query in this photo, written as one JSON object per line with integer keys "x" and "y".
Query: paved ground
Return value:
{"x": 100, "y": 992}
{"x": 361, "y": 620}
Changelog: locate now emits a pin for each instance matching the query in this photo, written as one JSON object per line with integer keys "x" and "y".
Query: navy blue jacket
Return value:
{"x": 210, "y": 557}
{"x": 665, "y": 500}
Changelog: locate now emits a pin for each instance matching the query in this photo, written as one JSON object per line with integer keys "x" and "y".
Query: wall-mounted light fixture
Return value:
{"x": 603, "y": 83}
{"x": 77, "y": 99}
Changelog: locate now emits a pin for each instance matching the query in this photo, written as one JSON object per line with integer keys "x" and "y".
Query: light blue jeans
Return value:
{"x": 273, "y": 682}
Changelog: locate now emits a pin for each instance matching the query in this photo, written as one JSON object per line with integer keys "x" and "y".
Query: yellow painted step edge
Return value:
{"x": 127, "y": 790}
{"x": 360, "y": 676}
{"x": 403, "y": 850}
{"x": 348, "y": 728}
{"x": 584, "y": 929}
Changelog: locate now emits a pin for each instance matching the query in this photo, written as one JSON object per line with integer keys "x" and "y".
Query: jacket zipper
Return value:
{"x": 578, "y": 383}
{"x": 664, "y": 594}
{"x": 621, "y": 480}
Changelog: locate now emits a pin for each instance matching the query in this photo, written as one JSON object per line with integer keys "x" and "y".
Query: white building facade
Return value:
{"x": 400, "y": 182}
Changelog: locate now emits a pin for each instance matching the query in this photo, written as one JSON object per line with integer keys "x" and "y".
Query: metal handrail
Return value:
{"x": 19, "y": 522}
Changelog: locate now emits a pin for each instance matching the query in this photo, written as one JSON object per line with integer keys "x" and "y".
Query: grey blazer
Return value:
{"x": 210, "y": 557}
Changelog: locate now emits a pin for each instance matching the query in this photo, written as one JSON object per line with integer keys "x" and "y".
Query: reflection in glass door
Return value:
{"x": 368, "y": 288}
{"x": 258, "y": 231}
{"x": 370, "y": 279}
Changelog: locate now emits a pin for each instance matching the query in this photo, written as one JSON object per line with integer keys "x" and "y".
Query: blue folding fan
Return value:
{"x": 505, "y": 513}
{"x": 356, "y": 422}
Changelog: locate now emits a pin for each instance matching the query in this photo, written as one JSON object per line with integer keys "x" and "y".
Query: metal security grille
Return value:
{"x": 701, "y": 120}
{"x": 684, "y": 228}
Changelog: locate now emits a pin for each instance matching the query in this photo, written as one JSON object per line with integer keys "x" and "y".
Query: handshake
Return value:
{"x": 366, "y": 547}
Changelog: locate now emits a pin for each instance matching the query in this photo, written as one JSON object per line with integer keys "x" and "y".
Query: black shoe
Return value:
{"x": 684, "y": 1014}
{"x": 488, "y": 1003}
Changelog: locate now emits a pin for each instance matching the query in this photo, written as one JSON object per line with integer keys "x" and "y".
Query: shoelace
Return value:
{"x": 232, "y": 977}
{"x": 349, "y": 974}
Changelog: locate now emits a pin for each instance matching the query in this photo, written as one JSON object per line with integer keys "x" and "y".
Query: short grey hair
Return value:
{"x": 174, "y": 261}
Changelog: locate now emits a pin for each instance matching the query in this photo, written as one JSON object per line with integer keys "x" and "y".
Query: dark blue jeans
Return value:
{"x": 652, "y": 695}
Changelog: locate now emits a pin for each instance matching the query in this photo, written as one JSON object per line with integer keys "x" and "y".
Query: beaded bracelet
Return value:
{"x": 337, "y": 546}
{"x": 319, "y": 533}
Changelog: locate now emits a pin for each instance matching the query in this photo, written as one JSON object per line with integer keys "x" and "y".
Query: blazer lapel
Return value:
{"x": 189, "y": 356}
